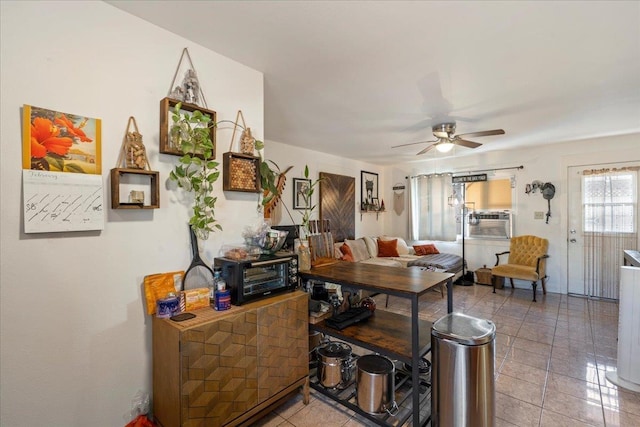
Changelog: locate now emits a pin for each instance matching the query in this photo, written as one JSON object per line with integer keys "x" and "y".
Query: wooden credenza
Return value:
{"x": 226, "y": 368}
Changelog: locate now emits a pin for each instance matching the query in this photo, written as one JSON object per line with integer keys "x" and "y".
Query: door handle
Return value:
{"x": 573, "y": 240}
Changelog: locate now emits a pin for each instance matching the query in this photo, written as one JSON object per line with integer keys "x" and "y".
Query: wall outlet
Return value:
{"x": 538, "y": 215}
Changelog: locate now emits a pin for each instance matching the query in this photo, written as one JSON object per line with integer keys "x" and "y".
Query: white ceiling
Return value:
{"x": 354, "y": 78}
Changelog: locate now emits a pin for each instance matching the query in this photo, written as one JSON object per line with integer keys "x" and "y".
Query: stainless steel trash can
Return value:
{"x": 463, "y": 383}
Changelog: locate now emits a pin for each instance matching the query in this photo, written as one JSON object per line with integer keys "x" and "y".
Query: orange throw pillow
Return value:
{"x": 387, "y": 248}
{"x": 426, "y": 249}
{"x": 347, "y": 255}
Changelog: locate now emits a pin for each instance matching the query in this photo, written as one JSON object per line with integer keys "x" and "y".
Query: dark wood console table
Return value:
{"x": 399, "y": 337}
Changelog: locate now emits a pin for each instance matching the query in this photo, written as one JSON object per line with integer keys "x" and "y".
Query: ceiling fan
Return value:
{"x": 446, "y": 140}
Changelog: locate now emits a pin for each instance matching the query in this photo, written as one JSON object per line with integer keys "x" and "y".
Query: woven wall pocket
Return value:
{"x": 133, "y": 152}
{"x": 247, "y": 141}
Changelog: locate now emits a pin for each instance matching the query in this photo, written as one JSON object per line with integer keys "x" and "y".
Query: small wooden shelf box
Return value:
{"x": 241, "y": 172}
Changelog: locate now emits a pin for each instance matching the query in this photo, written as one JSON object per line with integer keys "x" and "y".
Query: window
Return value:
{"x": 436, "y": 203}
{"x": 492, "y": 195}
{"x": 432, "y": 218}
{"x": 609, "y": 202}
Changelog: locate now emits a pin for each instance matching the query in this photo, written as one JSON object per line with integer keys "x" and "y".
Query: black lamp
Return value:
{"x": 464, "y": 280}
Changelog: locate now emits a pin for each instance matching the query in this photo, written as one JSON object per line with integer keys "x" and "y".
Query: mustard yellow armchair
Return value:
{"x": 527, "y": 261}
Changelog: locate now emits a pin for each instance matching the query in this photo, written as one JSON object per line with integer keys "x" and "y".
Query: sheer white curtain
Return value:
{"x": 610, "y": 221}
{"x": 431, "y": 217}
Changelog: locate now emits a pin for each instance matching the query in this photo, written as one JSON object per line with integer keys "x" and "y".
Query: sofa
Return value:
{"x": 367, "y": 250}
{"x": 394, "y": 252}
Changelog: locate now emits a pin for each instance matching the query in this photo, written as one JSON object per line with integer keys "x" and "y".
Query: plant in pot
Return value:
{"x": 195, "y": 172}
{"x": 306, "y": 192}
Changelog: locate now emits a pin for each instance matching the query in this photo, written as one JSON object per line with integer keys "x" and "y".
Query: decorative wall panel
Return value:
{"x": 338, "y": 204}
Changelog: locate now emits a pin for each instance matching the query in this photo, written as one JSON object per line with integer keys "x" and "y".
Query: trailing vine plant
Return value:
{"x": 195, "y": 172}
{"x": 190, "y": 132}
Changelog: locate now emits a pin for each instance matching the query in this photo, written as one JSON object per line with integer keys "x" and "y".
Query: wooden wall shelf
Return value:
{"x": 371, "y": 212}
{"x": 241, "y": 172}
{"x": 116, "y": 176}
{"x": 166, "y": 110}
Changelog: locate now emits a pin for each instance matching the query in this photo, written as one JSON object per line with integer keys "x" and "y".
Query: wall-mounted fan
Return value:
{"x": 446, "y": 140}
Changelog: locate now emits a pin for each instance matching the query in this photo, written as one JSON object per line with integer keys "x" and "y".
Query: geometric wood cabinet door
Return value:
{"x": 219, "y": 370}
{"x": 283, "y": 345}
{"x": 227, "y": 367}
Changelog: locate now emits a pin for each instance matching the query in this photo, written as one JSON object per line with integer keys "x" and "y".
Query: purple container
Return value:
{"x": 223, "y": 300}
{"x": 167, "y": 307}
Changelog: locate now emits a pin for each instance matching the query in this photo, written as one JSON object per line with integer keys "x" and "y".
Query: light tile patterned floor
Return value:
{"x": 551, "y": 360}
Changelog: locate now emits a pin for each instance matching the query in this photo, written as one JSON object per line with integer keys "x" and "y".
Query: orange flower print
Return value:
{"x": 72, "y": 129}
{"x": 44, "y": 139}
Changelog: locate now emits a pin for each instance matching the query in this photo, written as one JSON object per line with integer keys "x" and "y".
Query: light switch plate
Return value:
{"x": 538, "y": 215}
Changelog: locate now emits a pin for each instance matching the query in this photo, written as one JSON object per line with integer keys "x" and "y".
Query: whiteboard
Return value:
{"x": 62, "y": 201}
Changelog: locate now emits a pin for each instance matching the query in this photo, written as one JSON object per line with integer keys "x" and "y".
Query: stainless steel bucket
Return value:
{"x": 335, "y": 364}
{"x": 375, "y": 383}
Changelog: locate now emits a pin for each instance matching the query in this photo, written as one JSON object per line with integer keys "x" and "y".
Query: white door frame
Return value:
{"x": 575, "y": 267}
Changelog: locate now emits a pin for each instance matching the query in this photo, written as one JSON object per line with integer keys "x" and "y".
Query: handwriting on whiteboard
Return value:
{"x": 60, "y": 201}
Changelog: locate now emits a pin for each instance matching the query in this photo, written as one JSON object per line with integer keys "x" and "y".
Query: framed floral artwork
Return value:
{"x": 167, "y": 106}
{"x": 60, "y": 142}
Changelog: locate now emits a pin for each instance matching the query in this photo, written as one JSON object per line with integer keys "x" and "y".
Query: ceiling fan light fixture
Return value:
{"x": 444, "y": 147}
{"x": 444, "y": 130}
{"x": 446, "y": 138}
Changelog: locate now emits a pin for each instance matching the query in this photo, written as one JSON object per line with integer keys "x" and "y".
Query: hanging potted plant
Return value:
{"x": 272, "y": 181}
{"x": 195, "y": 172}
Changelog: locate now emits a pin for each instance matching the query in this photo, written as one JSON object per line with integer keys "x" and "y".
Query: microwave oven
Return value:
{"x": 253, "y": 279}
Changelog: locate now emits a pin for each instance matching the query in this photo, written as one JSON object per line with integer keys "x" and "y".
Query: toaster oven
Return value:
{"x": 253, "y": 279}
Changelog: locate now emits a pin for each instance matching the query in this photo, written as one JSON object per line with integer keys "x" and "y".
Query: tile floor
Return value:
{"x": 551, "y": 359}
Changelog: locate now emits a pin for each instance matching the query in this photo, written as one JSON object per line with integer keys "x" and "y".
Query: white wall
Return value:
{"x": 75, "y": 342}
{"x": 75, "y": 339}
{"x": 285, "y": 155}
{"x": 547, "y": 163}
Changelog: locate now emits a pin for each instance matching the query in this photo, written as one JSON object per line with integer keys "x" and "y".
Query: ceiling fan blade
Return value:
{"x": 412, "y": 143}
{"x": 465, "y": 143}
{"x": 426, "y": 149}
{"x": 482, "y": 133}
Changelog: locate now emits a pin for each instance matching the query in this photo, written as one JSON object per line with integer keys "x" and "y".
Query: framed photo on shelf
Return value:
{"x": 368, "y": 189}
{"x": 166, "y": 110}
{"x": 375, "y": 205}
{"x": 300, "y": 188}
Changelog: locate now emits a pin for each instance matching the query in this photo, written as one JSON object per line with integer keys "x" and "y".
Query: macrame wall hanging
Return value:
{"x": 189, "y": 90}
{"x": 398, "y": 198}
